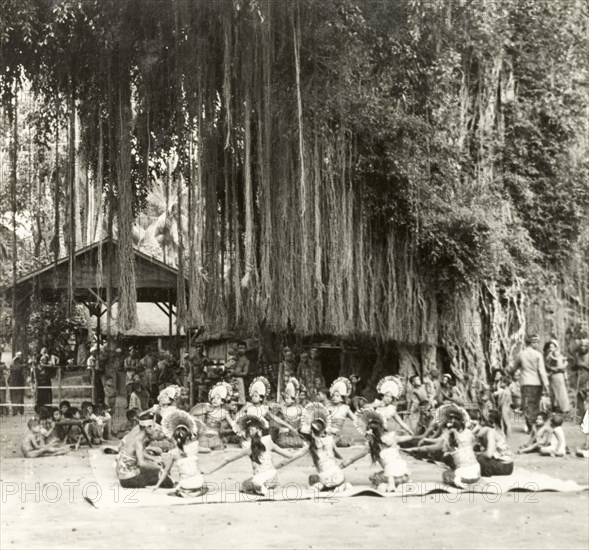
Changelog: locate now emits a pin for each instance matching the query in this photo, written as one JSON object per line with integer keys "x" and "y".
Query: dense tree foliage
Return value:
{"x": 341, "y": 166}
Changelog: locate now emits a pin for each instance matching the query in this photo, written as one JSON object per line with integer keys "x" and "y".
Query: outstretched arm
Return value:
{"x": 164, "y": 474}
{"x": 402, "y": 424}
{"x": 279, "y": 420}
{"x": 437, "y": 446}
{"x": 349, "y": 461}
{"x": 281, "y": 451}
{"x": 294, "y": 457}
{"x": 336, "y": 452}
{"x": 224, "y": 463}
{"x": 351, "y": 415}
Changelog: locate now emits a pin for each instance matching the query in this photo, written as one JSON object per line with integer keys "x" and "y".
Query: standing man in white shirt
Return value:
{"x": 533, "y": 378}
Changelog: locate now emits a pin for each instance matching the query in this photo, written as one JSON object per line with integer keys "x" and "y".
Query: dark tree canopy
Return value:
{"x": 340, "y": 166}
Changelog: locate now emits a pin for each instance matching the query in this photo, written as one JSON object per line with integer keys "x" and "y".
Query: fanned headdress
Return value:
{"x": 314, "y": 412}
{"x": 260, "y": 385}
{"x": 365, "y": 417}
{"x": 223, "y": 389}
{"x": 341, "y": 385}
{"x": 390, "y": 384}
{"x": 248, "y": 420}
{"x": 171, "y": 392}
{"x": 179, "y": 418}
{"x": 446, "y": 411}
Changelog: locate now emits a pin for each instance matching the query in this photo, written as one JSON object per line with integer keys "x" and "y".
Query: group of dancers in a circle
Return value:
{"x": 315, "y": 429}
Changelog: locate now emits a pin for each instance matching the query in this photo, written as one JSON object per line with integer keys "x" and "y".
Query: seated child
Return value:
{"x": 32, "y": 445}
{"x": 45, "y": 418}
{"x": 73, "y": 413}
{"x": 91, "y": 428}
{"x": 64, "y": 407}
{"x": 58, "y": 431}
{"x": 540, "y": 435}
{"x": 516, "y": 392}
{"x": 558, "y": 446}
{"x": 504, "y": 401}
{"x": 486, "y": 405}
{"x": 103, "y": 422}
{"x": 131, "y": 421}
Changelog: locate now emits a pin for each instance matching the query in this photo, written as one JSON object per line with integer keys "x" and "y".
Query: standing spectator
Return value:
{"x": 92, "y": 367}
{"x": 305, "y": 371}
{"x": 149, "y": 376}
{"x": 447, "y": 392}
{"x": 16, "y": 382}
{"x": 4, "y": 394}
{"x": 200, "y": 375}
{"x": 131, "y": 366}
{"x": 240, "y": 371}
{"x": 118, "y": 368}
{"x": 516, "y": 393}
{"x": 581, "y": 369}
{"x": 431, "y": 381}
{"x": 555, "y": 367}
{"x": 357, "y": 394}
{"x": 110, "y": 394}
{"x": 316, "y": 363}
{"x": 416, "y": 394}
{"x": 286, "y": 369}
{"x": 533, "y": 378}
{"x": 44, "y": 372}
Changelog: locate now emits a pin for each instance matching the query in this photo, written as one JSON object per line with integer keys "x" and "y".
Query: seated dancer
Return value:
{"x": 259, "y": 447}
{"x": 390, "y": 389}
{"x": 495, "y": 459}
{"x": 438, "y": 422}
{"x": 258, "y": 391}
{"x": 33, "y": 445}
{"x": 288, "y": 379}
{"x": 213, "y": 414}
{"x": 457, "y": 444}
{"x": 226, "y": 431}
{"x": 539, "y": 436}
{"x": 384, "y": 450}
{"x": 182, "y": 428}
{"x": 136, "y": 468}
{"x": 315, "y": 424}
{"x": 166, "y": 400}
{"x": 339, "y": 410}
{"x": 290, "y": 411}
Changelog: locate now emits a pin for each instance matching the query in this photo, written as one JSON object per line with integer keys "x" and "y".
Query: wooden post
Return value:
{"x": 169, "y": 320}
{"x": 191, "y": 367}
{"x": 96, "y": 364}
{"x": 58, "y": 384}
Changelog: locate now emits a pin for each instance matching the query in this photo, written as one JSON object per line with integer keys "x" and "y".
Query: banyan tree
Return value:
{"x": 360, "y": 169}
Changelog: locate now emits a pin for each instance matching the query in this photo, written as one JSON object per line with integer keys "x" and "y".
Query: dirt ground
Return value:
{"x": 42, "y": 506}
